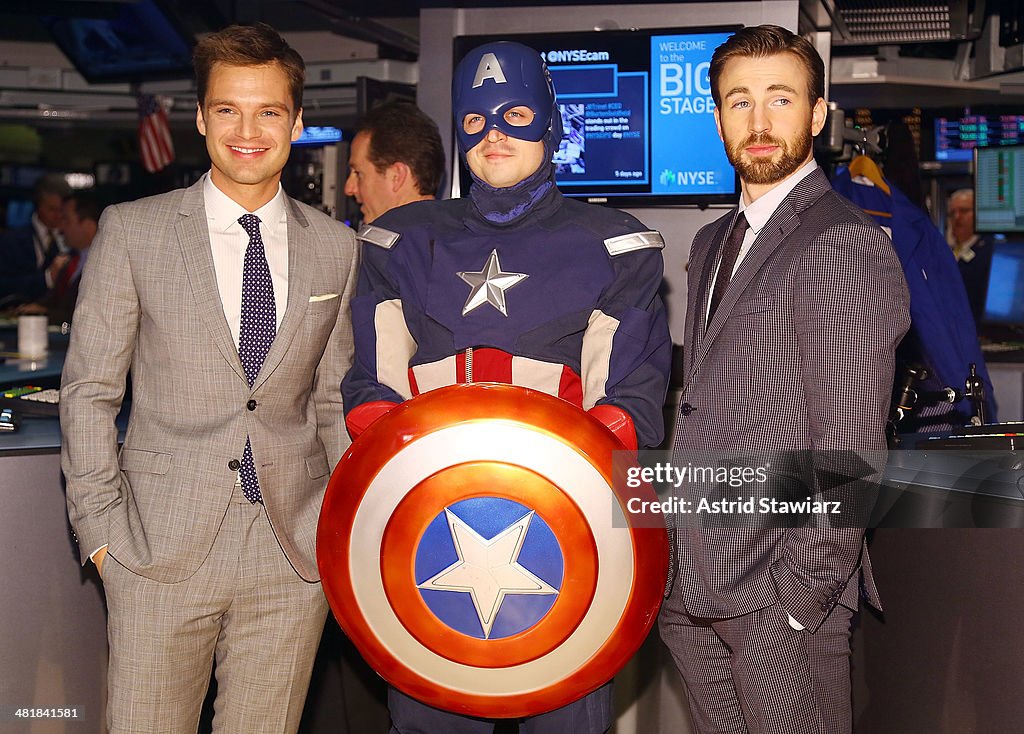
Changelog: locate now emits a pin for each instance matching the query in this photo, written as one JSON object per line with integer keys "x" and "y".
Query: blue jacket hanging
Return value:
{"x": 939, "y": 310}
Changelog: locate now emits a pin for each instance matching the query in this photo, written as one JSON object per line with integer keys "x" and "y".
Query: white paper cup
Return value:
{"x": 32, "y": 336}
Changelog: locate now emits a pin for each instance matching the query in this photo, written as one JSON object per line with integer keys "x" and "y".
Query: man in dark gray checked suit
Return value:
{"x": 228, "y": 301}
{"x": 795, "y": 305}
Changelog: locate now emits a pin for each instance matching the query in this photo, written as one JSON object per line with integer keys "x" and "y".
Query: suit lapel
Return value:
{"x": 301, "y": 262}
{"x": 193, "y": 234}
{"x": 782, "y": 223}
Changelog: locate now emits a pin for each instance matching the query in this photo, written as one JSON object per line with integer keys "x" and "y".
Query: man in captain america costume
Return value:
{"x": 512, "y": 284}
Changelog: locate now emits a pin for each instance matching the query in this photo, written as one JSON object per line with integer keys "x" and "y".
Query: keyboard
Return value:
{"x": 1002, "y": 347}
{"x": 31, "y": 400}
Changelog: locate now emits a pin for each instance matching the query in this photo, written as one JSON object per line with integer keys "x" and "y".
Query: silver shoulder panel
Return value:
{"x": 635, "y": 241}
{"x": 378, "y": 236}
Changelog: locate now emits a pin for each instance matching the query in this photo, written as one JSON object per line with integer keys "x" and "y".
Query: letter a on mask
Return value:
{"x": 489, "y": 68}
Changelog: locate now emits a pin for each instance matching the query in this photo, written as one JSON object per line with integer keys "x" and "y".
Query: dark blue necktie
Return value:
{"x": 730, "y": 254}
{"x": 256, "y": 334}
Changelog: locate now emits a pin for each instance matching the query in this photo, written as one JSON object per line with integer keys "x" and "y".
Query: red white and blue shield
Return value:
{"x": 475, "y": 547}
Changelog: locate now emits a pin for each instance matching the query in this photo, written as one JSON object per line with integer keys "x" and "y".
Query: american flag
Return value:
{"x": 154, "y": 134}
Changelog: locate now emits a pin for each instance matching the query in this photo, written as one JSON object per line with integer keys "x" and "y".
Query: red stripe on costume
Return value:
{"x": 570, "y": 388}
{"x": 491, "y": 365}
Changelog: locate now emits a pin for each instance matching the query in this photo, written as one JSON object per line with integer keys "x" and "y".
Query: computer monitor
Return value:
{"x": 999, "y": 189}
{"x": 137, "y": 42}
{"x": 1004, "y": 297}
{"x": 19, "y": 213}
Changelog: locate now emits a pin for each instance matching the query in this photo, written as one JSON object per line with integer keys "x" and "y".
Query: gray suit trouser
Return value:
{"x": 245, "y": 607}
{"x": 755, "y": 674}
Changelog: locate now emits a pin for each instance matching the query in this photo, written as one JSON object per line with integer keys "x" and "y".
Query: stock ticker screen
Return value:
{"x": 957, "y": 137}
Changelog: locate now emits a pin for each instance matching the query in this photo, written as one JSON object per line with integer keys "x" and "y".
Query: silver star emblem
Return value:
{"x": 489, "y": 285}
{"x": 488, "y": 570}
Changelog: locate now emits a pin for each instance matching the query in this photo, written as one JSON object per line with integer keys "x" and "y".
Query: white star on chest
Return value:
{"x": 489, "y": 285}
{"x": 488, "y": 570}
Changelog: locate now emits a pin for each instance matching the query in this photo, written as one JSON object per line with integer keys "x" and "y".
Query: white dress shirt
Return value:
{"x": 42, "y": 238}
{"x": 229, "y": 242}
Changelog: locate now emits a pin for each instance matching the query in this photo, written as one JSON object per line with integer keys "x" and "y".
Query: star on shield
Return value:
{"x": 488, "y": 570}
{"x": 489, "y": 285}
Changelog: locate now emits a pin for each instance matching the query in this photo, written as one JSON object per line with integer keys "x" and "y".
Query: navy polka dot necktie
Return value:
{"x": 258, "y": 328}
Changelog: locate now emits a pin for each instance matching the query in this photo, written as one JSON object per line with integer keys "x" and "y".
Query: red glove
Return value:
{"x": 618, "y": 422}
{"x": 361, "y": 416}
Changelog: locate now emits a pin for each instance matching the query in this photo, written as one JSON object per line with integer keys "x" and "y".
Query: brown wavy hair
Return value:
{"x": 248, "y": 45}
{"x": 769, "y": 40}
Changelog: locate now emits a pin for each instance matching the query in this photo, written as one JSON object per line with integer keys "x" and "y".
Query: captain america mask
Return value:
{"x": 492, "y": 83}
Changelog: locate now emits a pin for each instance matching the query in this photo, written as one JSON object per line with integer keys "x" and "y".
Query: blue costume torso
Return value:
{"x": 573, "y": 296}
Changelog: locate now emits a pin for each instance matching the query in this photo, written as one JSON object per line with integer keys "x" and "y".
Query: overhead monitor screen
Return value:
{"x": 637, "y": 114}
{"x": 957, "y": 137}
{"x": 999, "y": 189}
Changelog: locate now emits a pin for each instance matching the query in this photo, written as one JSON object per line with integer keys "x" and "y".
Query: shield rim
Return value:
{"x": 454, "y": 405}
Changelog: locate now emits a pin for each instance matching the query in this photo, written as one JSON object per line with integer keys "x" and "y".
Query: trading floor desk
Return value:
{"x": 1008, "y": 383}
{"x": 54, "y": 651}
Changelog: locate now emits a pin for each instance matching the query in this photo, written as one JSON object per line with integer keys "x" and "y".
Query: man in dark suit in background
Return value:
{"x": 32, "y": 255}
{"x": 795, "y": 306}
{"x": 395, "y": 158}
{"x": 973, "y": 252}
{"x": 80, "y": 221}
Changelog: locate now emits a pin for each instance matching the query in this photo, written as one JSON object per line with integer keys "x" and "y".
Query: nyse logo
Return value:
{"x": 669, "y": 178}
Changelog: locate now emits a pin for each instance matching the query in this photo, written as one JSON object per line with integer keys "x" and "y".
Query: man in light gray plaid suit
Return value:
{"x": 228, "y": 303}
{"x": 796, "y": 303}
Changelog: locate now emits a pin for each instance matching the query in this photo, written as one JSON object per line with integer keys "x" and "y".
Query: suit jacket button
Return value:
{"x": 686, "y": 409}
{"x": 234, "y": 464}
{"x": 251, "y": 405}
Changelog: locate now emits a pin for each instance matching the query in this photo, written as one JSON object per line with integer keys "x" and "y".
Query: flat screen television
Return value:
{"x": 138, "y": 42}
{"x": 637, "y": 114}
{"x": 999, "y": 189}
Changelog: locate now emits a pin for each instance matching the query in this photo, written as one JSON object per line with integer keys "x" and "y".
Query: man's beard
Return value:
{"x": 767, "y": 171}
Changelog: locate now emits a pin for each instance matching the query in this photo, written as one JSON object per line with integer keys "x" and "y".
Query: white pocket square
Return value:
{"x": 324, "y": 297}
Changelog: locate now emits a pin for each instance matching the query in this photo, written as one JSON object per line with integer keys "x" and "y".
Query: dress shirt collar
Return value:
{"x": 760, "y": 211}
{"x": 965, "y": 250}
{"x": 40, "y": 229}
{"x": 223, "y": 212}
